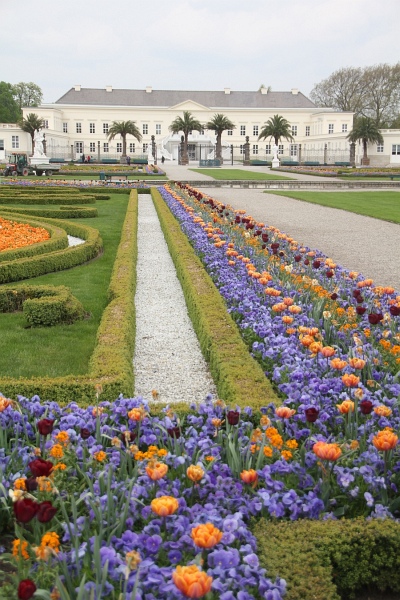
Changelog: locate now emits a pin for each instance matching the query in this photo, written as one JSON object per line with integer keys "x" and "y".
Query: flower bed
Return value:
{"x": 17, "y": 235}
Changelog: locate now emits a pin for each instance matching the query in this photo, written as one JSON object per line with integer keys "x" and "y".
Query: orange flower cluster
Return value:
{"x": 385, "y": 440}
{"x": 192, "y": 582}
{"x": 206, "y": 536}
{"x": 195, "y": 473}
{"x": 20, "y": 548}
{"x": 156, "y": 470}
{"x": 327, "y": 451}
{"x": 152, "y": 451}
{"x": 250, "y": 477}
{"x": 50, "y": 544}
{"x": 164, "y": 506}
{"x": 17, "y": 235}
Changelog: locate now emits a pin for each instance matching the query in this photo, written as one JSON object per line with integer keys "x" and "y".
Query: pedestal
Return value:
{"x": 275, "y": 163}
{"x": 39, "y": 160}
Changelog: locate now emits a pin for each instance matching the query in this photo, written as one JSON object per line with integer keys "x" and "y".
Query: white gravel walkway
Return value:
{"x": 167, "y": 357}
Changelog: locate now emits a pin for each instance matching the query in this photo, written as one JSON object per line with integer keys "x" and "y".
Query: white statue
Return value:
{"x": 38, "y": 138}
{"x": 275, "y": 159}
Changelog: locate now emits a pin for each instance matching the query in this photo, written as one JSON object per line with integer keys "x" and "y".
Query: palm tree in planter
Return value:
{"x": 30, "y": 124}
{"x": 186, "y": 124}
{"x": 276, "y": 127}
{"x": 219, "y": 123}
{"x": 124, "y": 128}
{"x": 366, "y": 130}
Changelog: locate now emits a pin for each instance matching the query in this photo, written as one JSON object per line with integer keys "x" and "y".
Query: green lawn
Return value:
{"x": 237, "y": 174}
{"x": 66, "y": 349}
{"x": 380, "y": 205}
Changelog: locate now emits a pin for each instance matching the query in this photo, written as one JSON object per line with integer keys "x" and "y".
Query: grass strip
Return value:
{"x": 379, "y": 205}
{"x": 238, "y": 377}
{"x": 237, "y": 174}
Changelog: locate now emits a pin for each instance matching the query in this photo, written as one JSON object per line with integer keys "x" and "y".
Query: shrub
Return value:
{"x": 64, "y": 212}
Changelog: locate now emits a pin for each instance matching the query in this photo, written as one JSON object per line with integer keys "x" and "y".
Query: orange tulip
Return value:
{"x": 206, "y": 536}
{"x": 382, "y": 411}
{"x": 156, "y": 470}
{"x": 385, "y": 440}
{"x": 137, "y": 414}
{"x": 327, "y": 351}
{"x": 195, "y": 473}
{"x": 357, "y": 363}
{"x": 346, "y": 407}
{"x": 307, "y": 340}
{"x": 294, "y": 309}
{"x": 350, "y": 380}
{"x": 284, "y": 412}
{"x": 338, "y": 364}
{"x": 164, "y": 506}
{"x": 249, "y": 476}
{"x": 327, "y": 451}
{"x": 192, "y": 582}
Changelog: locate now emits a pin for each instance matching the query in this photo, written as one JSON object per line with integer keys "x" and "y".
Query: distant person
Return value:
{"x": 128, "y": 160}
{"x": 83, "y": 158}
{"x": 162, "y": 159}
{"x": 88, "y": 159}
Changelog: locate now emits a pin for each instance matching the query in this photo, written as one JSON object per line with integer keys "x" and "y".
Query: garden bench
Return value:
{"x": 56, "y": 160}
{"x": 311, "y": 163}
{"x": 209, "y": 162}
{"x": 288, "y": 163}
{"x": 342, "y": 164}
{"x": 109, "y": 161}
{"x": 113, "y": 177}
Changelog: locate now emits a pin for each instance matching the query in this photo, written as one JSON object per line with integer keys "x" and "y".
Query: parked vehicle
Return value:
{"x": 18, "y": 164}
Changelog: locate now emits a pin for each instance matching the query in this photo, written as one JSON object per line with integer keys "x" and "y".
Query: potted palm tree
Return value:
{"x": 124, "y": 128}
{"x": 30, "y": 124}
{"x": 367, "y": 131}
{"x": 186, "y": 124}
{"x": 219, "y": 123}
{"x": 276, "y": 128}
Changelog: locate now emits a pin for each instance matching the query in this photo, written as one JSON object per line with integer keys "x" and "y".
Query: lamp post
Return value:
{"x": 98, "y": 151}
{"x": 154, "y": 149}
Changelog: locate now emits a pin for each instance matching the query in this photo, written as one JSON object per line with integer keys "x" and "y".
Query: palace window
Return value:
{"x": 255, "y": 130}
{"x": 1, "y": 144}
{"x": 15, "y": 141}
{"x": 395, "y": 149}
{"x": 344, "y": 127}
{"x": 92, "y": 127}
{"x": 78, "y": 127}
{"x": 241, "y": 149}
{"x": 379, "y": 148}
{"x": 280, "y": 149}
{"x": 330, "y": 128}
{"x": 293, "y": 150}
{"x": 307, "y": 130}
{"x": 145, "y": 148}
{"x": 119, "y": 146}
{"x": 65, "y": 127}
{"x": 294, "y": 130}
{"x": 145, "y": 129}
{"x": 158, "y": 129}
{"x": 92, "y": 147}
{"x": 268, "y": 149}
{"x": 255, "y": 148}
{"x": 243, "y": 130}
{"x": 105, "y": 147}
{"x": 45, "y": 123}
{"x": 105, "y": 127}
{"x": 132, "y": 148}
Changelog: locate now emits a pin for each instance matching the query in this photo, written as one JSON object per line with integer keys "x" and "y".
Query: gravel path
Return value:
{"x": 167, "y": 357}
{"x": 359, "y": 243}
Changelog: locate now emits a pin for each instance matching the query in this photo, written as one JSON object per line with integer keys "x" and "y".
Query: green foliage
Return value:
{"x": 27, "y": 94}
{"x": 219, "y": 123}
{"x": 186, "y": 124}
{"x": 124, "y": 128}
{"x": 239, "y": 379}
{"x": 367, "y": 131}
{"x": 238, "y": 175}
{"x": 276, "y": 127}
{"x": 9, "y": 109}
{"x": 329, "y": 560}
{"x": 29, "y": 124}
{"x": 42, "y": 305}
{"x": 64, "y": 212}
{"x": 9, "y": 198}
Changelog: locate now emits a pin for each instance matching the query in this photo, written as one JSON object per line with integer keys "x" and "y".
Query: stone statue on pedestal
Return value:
{"x": 38, "y": 139}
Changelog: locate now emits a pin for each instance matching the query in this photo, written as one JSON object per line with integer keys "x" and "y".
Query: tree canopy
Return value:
{"x": 9, "y": 109}
{"x": 31, "y": 122}
{"x": 276, "y": 127}
{"x": 186, "y": 124}
{"x": 370, "y": 92}
{"x": 124, "y": 128}
{"x": 27, "y": 94}
{"x": 219, "y": 123}
{"x": 367, "y": 131}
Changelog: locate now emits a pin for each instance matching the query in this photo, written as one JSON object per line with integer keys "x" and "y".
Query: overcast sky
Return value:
{"x": 192, "y": 44}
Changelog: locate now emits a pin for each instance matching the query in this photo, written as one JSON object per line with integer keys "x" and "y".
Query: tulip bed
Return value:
{"x": 17, "y": 235}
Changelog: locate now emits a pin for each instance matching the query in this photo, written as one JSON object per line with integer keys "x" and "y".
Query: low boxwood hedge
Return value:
{"x": 48, "y": 199}
{"x": 42, "y": 305}
{"x": 64, "y": 212}
{"x": 239, "y": 378}
{"x": 330, "y": 560}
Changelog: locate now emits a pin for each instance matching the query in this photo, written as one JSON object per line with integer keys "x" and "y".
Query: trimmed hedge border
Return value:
{"x": 49, "y": 199}
{"x": 239, "y": 378}
{"x": 330, "y": 560}
{"x": 42, "y": 305}
{"x": 64, "y": 212}
{"x": 111, "y": 363}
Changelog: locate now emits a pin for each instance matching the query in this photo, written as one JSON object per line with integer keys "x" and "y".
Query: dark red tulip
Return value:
{"x": 374, "y": 318}
{"x": 25, "y": 509}
{"x": 359, "y": 299}
{"x": 297, "y": 258}
{"x": 174, "y": 432}
{"x": 360, "y": 310}
{"x": 45, "y": 512}
{"x": 306, "y": 262}
{"x": 311, "y": 414}
{"x": 85, "y": 433}
{"x": 329, "y": 274}
{"x": 233, "y": 417}
{"x": 334, "y": 296}
{"x": 31, "y": 484}
{"x": 275, "y": 246}
{"x": 263, "y": 246}
{"x": 356, "y": 293}
{"x": 26, "y": 589}
{"x": 45, "y": 426}
{"x": 40, "y": 467}
{"x": 365, "y": 407}
{"x": 316, "y": 264}
{"x": 265, "y": 237}
{"x": 237, "y": 219}
{"x": 394, "y": 311}
{"x": 128, "y": 436}
{"x": 257, "y": 232}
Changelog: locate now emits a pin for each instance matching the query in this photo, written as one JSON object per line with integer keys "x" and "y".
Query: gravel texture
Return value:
{"x": 167, "y": 357}
{"x": 74, "y": 241}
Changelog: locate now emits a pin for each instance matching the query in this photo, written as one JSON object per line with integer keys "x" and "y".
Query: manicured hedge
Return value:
{"x": 57, "y": 241}
{"x": 111, "y": 363}
{"x": 48, "y": 199}
{"x": 329, "y": 560}
{"x": 238, "y": 377}
{"x": 42, "y": 305}
{"x": 33, "y": 266}
{"x": 64, "y": 212}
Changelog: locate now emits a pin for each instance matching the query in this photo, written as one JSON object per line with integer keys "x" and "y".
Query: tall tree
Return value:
{"x": 185, "y": 124}
{"x": 343, "y": 90}
{"x": 276, "y": 127}
{"x": 382, "y": 93}
{"x": 367, "y": 131}
{"x": 27, "y": 94}
{"x": 124, "y": 128}
{"x": 29, "y": 124}
{"x": 219, "y": 123}
{"x": 9, "y": 110}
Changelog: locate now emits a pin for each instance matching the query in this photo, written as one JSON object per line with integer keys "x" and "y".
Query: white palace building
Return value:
{"x": 78, "y": 123}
